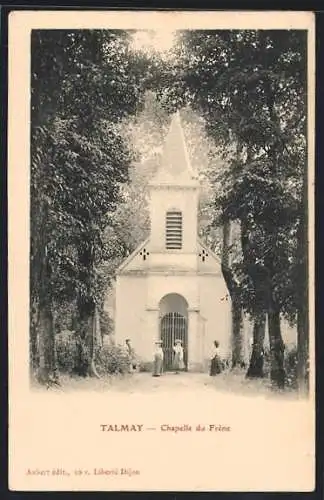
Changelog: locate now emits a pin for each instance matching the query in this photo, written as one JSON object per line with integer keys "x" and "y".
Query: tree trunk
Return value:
{"x": 237, "y": 321}
{"x": 277, "y": 348}
{"x": 302, "y": 313}
{"x": 87, "y": 342}
{"x": 47, "y": 370}
{"x": 302, "y": 350}
{"x": 33, "y": 347}
{"x": 93, "y": 343}
{"x": 234, "y": 292}
{"x": 255, "y": 369}
{"x": 47, "y": 373}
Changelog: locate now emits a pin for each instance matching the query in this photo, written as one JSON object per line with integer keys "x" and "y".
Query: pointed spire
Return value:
{"x": 175, "y": 155}
{"x": 175, "y": 165}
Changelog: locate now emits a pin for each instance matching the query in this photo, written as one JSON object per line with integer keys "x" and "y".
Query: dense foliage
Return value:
{"x": 113, "y": 359}
{"x": 84, "y": 84}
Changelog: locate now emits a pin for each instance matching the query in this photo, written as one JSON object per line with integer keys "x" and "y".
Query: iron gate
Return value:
{"x": 173, "y": 326}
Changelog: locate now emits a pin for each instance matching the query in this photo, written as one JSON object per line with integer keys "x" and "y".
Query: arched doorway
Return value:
{"x": 173, "y": 325}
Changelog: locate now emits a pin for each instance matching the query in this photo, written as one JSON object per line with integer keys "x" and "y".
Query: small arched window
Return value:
{"x": 173, "y": 230}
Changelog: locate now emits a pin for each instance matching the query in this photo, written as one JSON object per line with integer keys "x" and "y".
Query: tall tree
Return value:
{"x": 250, "y": 86}
{"x": 83, "y": 84}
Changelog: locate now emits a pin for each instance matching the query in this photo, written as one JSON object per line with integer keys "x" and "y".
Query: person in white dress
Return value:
{"x": 178, "y": 356}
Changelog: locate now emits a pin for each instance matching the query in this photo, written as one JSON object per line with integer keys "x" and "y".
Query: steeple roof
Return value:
{"x": 175, "y": 168}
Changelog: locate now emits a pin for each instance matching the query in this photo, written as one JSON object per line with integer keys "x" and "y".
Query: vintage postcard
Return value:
{"x": 161, "y": 251}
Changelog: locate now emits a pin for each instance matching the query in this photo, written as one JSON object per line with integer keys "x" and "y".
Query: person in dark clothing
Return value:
{"x": 216, "y": 362}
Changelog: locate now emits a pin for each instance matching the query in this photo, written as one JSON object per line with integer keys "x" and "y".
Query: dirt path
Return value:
{"x": 140, "y": 382}
{"x": 172, "y": 382}
{"x": 183, "y": 383}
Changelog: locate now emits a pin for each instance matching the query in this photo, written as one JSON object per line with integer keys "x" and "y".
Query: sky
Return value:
{"x": 154, "y": 41}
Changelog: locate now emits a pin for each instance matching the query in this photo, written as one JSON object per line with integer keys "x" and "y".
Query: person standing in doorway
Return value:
{"x": 158, "y": 357}
{"x": 216, "y": 362}
{"x": 178, "y": 356}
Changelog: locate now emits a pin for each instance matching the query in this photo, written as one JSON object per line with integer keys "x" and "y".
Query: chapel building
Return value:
{"x": 171, "y": 287}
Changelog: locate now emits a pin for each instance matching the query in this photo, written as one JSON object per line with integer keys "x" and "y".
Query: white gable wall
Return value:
{"x": 216, "y": 313}
{"x": 131, "y": 299}
{"x": 137, "y": 302}
{"x": 161, "y": 285}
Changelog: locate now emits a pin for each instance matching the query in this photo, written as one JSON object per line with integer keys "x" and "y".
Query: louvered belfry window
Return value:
{"x": 174, "y": 230}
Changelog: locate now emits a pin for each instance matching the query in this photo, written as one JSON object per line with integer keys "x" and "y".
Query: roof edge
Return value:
{"x": 131, "y": 256}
